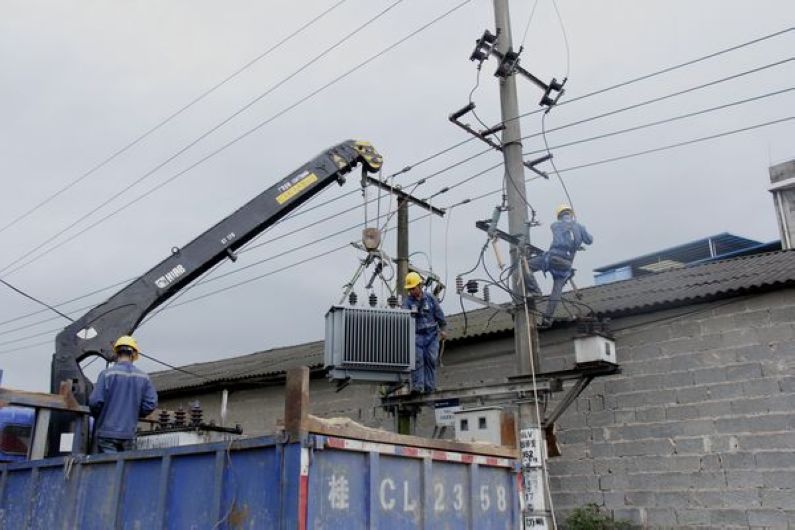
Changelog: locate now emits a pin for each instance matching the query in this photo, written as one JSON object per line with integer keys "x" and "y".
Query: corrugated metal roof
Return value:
{"x": 685, "y": 253}
{"x": 706, "y": 281}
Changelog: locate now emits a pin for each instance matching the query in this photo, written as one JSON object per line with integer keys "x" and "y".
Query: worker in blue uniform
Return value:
{"x": 568, "y": 236}
{"x": 123, "y": 394}
{"x": 430, "y": 328}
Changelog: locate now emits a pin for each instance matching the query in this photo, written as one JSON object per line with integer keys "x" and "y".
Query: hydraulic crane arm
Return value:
{"x": 95, "y": 332}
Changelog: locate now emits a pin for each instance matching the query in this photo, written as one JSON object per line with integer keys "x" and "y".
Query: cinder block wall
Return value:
{"x": 699, "y": 429}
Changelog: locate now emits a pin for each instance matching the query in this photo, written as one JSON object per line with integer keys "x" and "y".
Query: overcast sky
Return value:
{"x": 81, "y": 80}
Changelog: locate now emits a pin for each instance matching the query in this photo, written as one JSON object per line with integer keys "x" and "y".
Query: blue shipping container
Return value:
{"x": 319, "y": 483}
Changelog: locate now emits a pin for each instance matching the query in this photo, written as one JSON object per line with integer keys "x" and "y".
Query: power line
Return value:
{"x": 625, "y": 83}
{"x": 670, "y": 95}
{"x": 426, "y": 159}
{"x": 529, "y": 21}
{"x": 565, "y": 37}
{"x": 666, "y": 70}
{"x": 578, "y": 122}
{"x": 30, "y": 297}
{"x": 665, "y": 121}
{"x": 195, "y": 142}
{"x": 634, "y": 80}
{"x": 465, "y": 201}
{"x": 232, "y": 142}
{"x": 169, "y": 118}
{"x": 443, "y": 190}
{"x": 678, "y": 144}
{"x": 552, "y": 161}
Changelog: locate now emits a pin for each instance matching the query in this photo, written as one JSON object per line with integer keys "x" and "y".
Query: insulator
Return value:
{"x": 486, "y": 294}
{"x": 163, "y": 419}
{"x": 392, "y": 301}
{"x": 179, "y": 417}
{"x": 373, "y": 299}
{"x": 459, "y": 285}
{"x": 196, "y": 414}
{"x": 352, "y": 298}
{"x": 472, "y": 286}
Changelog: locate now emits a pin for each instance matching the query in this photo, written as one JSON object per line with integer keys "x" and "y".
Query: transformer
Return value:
{"x": 369, "y": 344}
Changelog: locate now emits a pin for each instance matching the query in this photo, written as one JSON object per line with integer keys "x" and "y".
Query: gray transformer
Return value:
{"x": 369, "y": 344}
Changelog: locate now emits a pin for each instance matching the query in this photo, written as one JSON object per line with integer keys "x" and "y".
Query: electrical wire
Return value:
{"x": 61, "y": 304}
{"x": 527, "y": 26}
{"x": 192, "y": 143}
{"x": 570, "y": 202}
{"x": 631, "y": 81}
{"x": 461, "y": 143}
{"x": 565, "y": 38}
{"x": 665, "y": 120}
{"x": 30, "y": 297}
{"x": 493, "y": 192}
{"x": 675, "y": 145}
{"x": 250, "y": 131}
{"x": 663, "y": 70}
{"x": 176, "y": 368}
{"x": 171, "y": 117}
{"x": 483, "y": 172}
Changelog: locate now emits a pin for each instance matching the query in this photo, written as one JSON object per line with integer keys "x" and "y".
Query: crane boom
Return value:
{"x": 94, "y": 333}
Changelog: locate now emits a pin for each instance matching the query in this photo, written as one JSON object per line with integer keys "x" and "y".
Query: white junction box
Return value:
{"x": 594, "y": 348}
{"x": 478, "y": 425}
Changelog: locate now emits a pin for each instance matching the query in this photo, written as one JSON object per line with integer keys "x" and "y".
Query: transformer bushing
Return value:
{"x": 196, "y": 414}
{"x": 179, "y": 417}
{"x": 163, "y": 419}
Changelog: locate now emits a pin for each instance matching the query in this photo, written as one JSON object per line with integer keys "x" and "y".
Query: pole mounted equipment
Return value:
{"x": 509, "y": 65}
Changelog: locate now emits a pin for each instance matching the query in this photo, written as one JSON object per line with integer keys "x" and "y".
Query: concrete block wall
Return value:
{"x": 699, "y": 429}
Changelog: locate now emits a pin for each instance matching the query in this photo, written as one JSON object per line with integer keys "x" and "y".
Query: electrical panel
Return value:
{"x": 594, "y": 349}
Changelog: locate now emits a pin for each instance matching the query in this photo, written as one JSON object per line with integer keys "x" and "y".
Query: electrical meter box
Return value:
{"x": 594, "y": 349}
{"x": 479, "y": 425}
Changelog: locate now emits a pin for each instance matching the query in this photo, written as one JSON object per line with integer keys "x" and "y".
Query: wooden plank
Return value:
{"x": 40, "y": 400}
{"x": 319, "y": 426}
{"x": 40, "y": 430}
{"x": 296, "y": 401}
{"x": 508, "y": 429}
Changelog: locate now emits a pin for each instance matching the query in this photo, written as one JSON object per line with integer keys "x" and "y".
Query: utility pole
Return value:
{"x": 405, "y": 417}
{"x": 402, "y": 256}
{"x": 525, "y": 333}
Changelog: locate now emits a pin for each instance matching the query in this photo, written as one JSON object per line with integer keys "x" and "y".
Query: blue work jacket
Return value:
{"x": 122, "y": 395}
{"x": 428, "y": 314}
{"x": 567, "y": 238}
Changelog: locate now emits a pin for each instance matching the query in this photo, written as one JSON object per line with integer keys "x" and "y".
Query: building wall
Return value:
{"x": 697, "y": 430}
{"x": 784, "y": 200}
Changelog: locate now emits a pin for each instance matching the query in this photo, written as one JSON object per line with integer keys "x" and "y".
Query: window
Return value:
{"x": 464, "y": 425}
{"x": 482, "y": 422}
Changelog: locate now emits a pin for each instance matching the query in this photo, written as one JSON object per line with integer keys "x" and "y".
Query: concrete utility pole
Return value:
{"x": 402, "y": 245}
{"x": 525, "y": 336}
{"x": 405, "y": 417}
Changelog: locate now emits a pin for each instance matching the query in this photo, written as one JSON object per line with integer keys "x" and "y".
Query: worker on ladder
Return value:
{"x": 568, "y": 236}
{"x": 430, "y": 328}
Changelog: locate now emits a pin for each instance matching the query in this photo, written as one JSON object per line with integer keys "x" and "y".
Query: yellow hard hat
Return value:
{"x": 126, "y": 340}
{"x": 412, "y": 280}
{"x": 562, "y": 209}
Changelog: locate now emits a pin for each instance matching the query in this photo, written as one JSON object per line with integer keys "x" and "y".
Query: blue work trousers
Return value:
{"x": 423, "y": 378}
{"x": 113, "y": 445}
